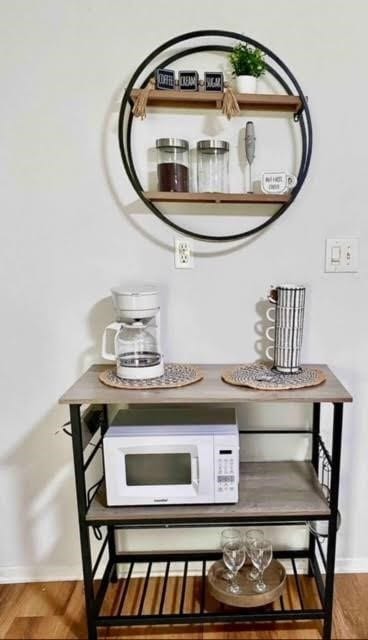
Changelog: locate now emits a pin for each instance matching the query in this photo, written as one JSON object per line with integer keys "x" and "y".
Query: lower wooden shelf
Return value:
{"x": 234, "y": 198}
{"x": 275, "y": 490}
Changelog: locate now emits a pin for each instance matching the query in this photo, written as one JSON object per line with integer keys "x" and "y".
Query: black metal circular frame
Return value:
{"x": 126, "y": 120}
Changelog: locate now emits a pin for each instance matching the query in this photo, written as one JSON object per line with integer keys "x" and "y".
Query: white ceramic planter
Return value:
{"x": 246, "y": 84}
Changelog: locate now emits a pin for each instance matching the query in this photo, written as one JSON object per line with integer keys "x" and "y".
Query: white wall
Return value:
{"x": 69, "y": 232}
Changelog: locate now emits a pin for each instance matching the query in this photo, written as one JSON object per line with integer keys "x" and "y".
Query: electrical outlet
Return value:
{"x": 183, "y": 254}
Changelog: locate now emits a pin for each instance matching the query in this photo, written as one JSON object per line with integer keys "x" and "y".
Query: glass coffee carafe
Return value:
{"x": 136, "y": 349}
{"x": 136, "y": 346}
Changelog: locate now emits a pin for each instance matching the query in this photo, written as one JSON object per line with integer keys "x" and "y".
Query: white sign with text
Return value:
{"x": 277, "y": 182}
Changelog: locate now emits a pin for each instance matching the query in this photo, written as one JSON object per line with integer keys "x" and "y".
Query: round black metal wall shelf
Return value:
{"x": 288, "y": 83}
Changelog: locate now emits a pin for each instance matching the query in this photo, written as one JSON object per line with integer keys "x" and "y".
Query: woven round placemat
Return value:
{"x": 259, "y": 376}
{"x": 175, "y": 375}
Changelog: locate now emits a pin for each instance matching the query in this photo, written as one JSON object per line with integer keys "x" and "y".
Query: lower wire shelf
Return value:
{"x": 167, "y": 592}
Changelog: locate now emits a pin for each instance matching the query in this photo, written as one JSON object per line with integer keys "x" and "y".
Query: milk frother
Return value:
{"x": 250, "y": 147}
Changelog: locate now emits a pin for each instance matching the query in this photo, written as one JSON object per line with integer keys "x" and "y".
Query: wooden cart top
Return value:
{"x": 211, "y": 389}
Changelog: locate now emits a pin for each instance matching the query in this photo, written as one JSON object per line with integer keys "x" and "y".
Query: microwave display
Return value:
{"x": 147, "y": 469}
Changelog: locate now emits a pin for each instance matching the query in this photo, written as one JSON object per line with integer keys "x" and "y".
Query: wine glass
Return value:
{"x": 261, "y": 556}
{"x": 234, "y": 558}
{"x": 229, "y": 535}
{"x": 253, "y": 535}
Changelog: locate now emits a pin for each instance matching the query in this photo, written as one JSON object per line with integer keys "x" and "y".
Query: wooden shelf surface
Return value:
{"x": 266, "y": 489}
{"x": 213, "y": 100}
{"x": 211, "y": 389}
{"x": 241, "y": 198}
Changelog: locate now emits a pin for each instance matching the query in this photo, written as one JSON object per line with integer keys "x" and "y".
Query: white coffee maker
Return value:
{"x": 136, "y": 333}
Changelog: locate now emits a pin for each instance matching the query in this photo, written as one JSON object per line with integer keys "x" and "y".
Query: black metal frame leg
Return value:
{"x": 334, "y": 499}
{"x": 110, "y": 530}
{"x": 83, "y": 528}
{"x": 112, "y": 552}
{"x": 315, "y": 463}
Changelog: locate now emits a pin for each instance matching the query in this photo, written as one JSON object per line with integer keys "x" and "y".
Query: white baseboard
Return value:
{"x": 47, "y": 573}
{"x": 9, "y": 575}
{"x": 352, "y": 565}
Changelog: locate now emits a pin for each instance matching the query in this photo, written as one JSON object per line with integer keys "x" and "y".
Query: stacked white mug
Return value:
{"x": 288, "y": 317}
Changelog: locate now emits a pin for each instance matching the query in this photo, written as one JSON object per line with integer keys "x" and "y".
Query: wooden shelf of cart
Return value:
{"x": 213, "y": 100}
{"x": 266, "y": 489}
{"x": 231, "y": 198}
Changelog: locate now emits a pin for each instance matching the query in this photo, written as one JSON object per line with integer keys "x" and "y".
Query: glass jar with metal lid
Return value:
{"x": 213, "y": 166}
{"x": 172, "y": 164}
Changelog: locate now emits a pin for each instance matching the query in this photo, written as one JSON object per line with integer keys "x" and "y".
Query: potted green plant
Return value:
{"x": 248, "y": 64}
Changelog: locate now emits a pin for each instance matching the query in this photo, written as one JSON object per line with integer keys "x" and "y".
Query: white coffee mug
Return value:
{"x": 277, "y": 182}
{"x": 270, "y": 347}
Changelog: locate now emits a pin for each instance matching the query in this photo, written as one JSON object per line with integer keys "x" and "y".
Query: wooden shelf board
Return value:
{"x": 240, "y": 198}
{"x": 267, "y": 489}
{"x": 213, "y": 100}
{"x": 88, "y": 389}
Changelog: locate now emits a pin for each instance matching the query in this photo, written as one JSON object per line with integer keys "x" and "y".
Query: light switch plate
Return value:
{"x": 342, "y": 255}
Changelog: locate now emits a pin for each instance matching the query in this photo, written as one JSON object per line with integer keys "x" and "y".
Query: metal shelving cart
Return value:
{"x": 276, "y": 493}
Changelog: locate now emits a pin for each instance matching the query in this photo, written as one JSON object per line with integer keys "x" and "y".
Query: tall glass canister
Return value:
{"x": 213, "y": 166}
{"x": 172, "y": 164}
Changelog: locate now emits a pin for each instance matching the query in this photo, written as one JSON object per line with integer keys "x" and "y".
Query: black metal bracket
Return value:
{"x": 298, "y": 114}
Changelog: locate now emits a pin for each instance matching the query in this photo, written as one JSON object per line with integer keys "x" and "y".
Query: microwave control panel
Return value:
{"x": 227, "y": 470}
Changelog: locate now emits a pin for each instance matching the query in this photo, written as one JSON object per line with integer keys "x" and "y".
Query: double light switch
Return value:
{"x": 341, "y": 255}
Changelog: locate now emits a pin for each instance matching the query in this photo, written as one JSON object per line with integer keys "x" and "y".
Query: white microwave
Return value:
{"x": 172, "y": 456}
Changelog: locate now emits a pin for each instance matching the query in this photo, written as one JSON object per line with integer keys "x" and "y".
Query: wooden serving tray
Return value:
{"x": 274, "y": 577}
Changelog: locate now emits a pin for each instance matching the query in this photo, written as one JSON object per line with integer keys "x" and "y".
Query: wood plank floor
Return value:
{"x": 55, "y": 611}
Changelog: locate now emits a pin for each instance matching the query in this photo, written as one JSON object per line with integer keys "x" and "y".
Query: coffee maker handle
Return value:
{"x": 108, "y": 355}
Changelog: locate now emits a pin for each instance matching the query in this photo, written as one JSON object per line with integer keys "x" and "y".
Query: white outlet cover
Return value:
{"x": 183, "y": 253}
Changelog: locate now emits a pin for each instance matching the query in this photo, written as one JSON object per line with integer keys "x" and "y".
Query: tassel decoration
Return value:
{"x": 140, "y": 103}
{"x": 230, "y": 105}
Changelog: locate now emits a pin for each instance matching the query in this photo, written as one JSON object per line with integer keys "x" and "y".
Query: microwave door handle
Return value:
{"x": 195, "y": 470}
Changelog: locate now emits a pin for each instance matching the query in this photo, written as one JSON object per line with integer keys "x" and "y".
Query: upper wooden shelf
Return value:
{"x": 213, "y": 100}
{"x": 88, "y": 389}
{"x": 250, "y": 198}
